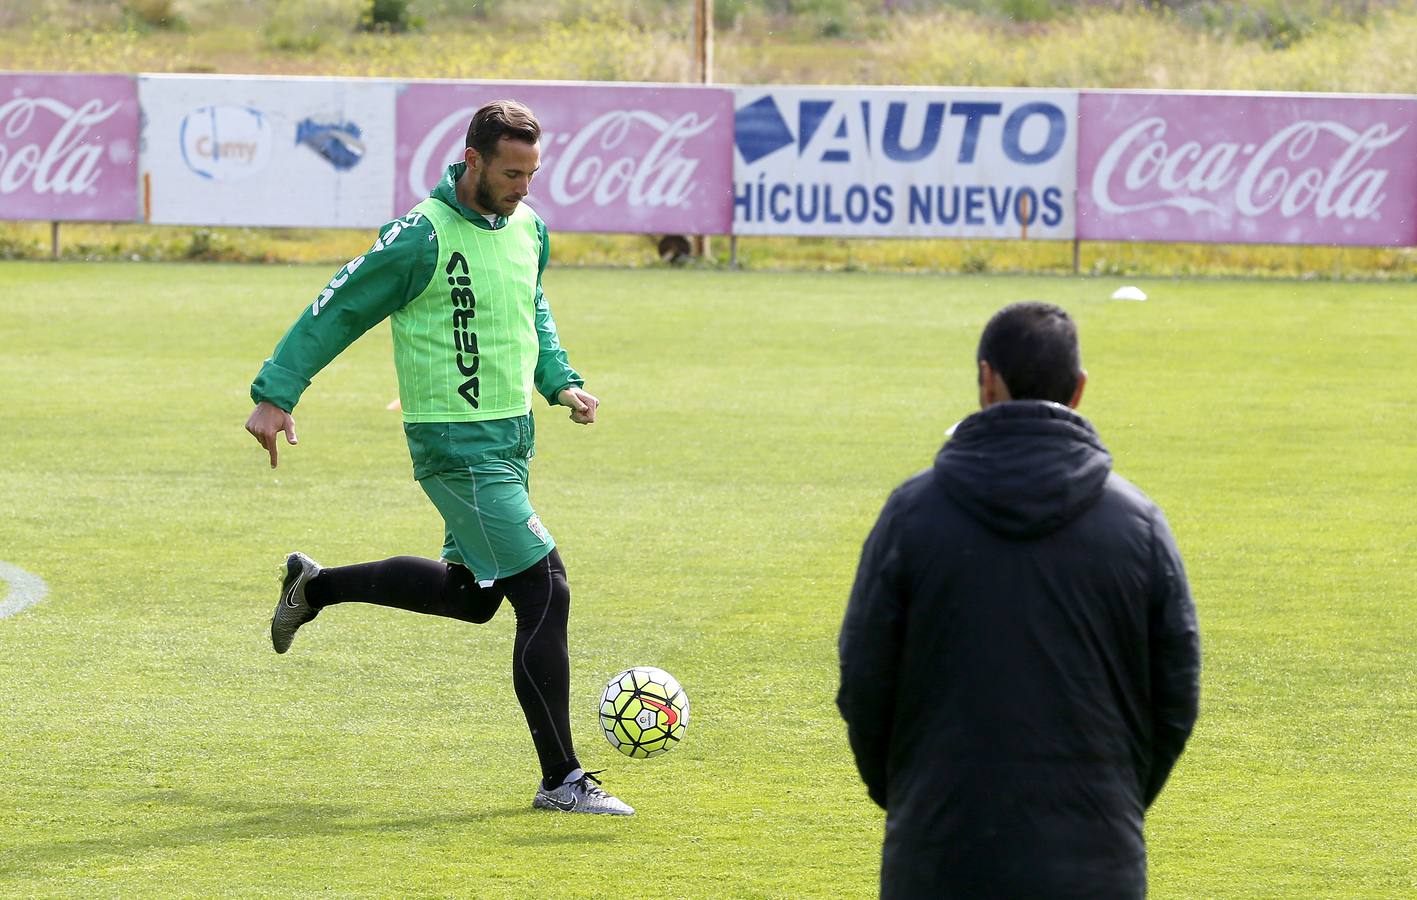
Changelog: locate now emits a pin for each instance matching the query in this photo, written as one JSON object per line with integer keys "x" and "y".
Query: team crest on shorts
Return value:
{"x": 534, "y": 523}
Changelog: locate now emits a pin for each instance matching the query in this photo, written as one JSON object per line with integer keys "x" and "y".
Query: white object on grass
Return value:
{"x": 1128, "y": 292}
{"x": 25, "y": 589}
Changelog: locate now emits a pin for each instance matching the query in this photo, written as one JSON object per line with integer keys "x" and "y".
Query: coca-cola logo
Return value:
{"x": 66, "y": 161}
{"x": 1317, "y": 167}
{"x": 605, "y": 162}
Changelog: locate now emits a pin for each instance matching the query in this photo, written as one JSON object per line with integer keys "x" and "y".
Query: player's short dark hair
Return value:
{"x": 499, "y": 119}
{"x": 1034, "y": 348}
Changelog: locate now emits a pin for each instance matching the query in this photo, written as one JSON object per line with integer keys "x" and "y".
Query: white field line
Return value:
{"x": 25, "y": 589}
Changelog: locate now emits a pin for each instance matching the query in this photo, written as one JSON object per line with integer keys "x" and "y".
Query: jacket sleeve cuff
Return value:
{"x": 278, "y": 385}
{"x": 553, "y": 397}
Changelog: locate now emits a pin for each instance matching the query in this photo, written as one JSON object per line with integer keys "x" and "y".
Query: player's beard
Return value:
{"x": 482, "y": 195}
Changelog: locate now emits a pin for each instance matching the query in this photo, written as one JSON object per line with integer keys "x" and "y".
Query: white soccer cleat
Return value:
{"x": 581, "y": 795}
{"x": 292, "y": 609}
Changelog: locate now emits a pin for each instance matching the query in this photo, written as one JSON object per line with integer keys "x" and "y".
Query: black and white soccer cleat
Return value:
{"x": 292, "y": 609}
{"x": 581, "y": 795}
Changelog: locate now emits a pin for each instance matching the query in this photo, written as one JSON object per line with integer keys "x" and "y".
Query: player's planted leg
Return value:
{"x": 541, "y": 675}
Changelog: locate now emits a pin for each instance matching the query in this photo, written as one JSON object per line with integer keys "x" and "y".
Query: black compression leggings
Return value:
{"x": 541, "y": 663}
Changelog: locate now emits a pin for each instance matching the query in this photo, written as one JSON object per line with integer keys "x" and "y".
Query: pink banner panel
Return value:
{"x": 68, "y": 147}
{"x": 617, "y": 159}
{"x": 1282, "y": 169}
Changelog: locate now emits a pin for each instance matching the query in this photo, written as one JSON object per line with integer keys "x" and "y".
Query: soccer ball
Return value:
{"x": 644, "y": 712}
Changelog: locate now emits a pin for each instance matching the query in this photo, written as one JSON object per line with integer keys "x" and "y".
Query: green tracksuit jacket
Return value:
{"x": 364, "y": 292}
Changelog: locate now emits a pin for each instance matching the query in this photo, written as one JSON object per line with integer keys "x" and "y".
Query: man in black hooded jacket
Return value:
{"x": 1019, "y": 660}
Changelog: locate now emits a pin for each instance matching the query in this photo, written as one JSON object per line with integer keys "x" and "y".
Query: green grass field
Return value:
{"x": 752, "y": 425}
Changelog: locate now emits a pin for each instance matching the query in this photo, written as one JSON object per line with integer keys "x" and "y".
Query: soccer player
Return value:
{"x": 1019, "y": 659}
{"x": 460, "y": 276}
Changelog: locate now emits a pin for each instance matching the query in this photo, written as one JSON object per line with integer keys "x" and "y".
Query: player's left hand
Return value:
{"x": 583, "y": 405}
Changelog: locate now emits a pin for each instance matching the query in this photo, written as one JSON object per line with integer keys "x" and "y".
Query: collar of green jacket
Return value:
{"x": 447, "y": 191}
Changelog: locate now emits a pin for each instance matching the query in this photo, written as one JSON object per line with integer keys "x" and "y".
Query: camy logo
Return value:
{"x": 902, "y": 132}
{"x": 225, "y": 143}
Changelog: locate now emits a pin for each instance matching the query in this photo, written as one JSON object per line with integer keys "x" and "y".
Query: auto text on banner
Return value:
{"x": 905, "y": 162}
{"x": 295, "y": 152}
{"x": 68, "y": 147}
{"x": 614, "y": 158}
{"x": 1231, "y": 168}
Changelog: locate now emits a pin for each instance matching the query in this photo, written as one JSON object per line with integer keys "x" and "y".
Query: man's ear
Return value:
{"x": 473, "y": 159}
{"x": 991, "y": 386}
{"x": 1077, "y": 393}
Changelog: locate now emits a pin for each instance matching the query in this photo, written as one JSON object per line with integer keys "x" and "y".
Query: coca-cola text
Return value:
{"x": 66, "y": 161}
{"x": 1140, "y": 171}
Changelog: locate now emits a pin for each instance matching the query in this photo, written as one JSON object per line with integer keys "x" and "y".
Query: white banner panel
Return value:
{"x": 902, "y": 162}
{"x": 221, "y": 150}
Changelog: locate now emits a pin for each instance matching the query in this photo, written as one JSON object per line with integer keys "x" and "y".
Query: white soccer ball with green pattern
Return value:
{"x": 644, "y": 712}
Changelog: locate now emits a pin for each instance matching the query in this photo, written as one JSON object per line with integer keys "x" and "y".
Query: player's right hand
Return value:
{"x": 266, "y": 421}
{"x": 583, "y": 405}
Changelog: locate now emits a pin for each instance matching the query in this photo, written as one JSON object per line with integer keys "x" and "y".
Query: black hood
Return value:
{"x": 1024, "y": 468}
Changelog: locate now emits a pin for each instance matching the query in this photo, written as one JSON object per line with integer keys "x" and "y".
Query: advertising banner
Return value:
{"x": 1284, "y": 169}
{"x": 614, "y": 158}
{"x": 895, "y": 162}
{"x": 68, "y": 147}
{"x": 307, "y": 152}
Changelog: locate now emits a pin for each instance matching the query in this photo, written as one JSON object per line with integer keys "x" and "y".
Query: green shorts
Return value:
{"x": 490, "y": 525}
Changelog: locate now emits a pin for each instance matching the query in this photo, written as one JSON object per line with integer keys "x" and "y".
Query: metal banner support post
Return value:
{"x": 703, "y": 74}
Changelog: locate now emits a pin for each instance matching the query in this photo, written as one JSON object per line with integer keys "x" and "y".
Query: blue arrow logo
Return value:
{"x": 759, "y": 130}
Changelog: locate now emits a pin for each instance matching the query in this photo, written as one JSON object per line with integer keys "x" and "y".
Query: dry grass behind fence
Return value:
{"x": 1361, "y": 50}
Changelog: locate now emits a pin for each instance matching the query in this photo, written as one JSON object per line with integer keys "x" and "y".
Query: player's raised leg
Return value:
{"x": 412, "y": 583}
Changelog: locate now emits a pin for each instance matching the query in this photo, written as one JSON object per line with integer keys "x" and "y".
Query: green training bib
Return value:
{"x": 465, "y": 348}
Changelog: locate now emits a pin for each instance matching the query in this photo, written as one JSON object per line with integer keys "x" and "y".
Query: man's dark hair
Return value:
{"x": 499, "y": 119}
{"x": 1034, "y": 348}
